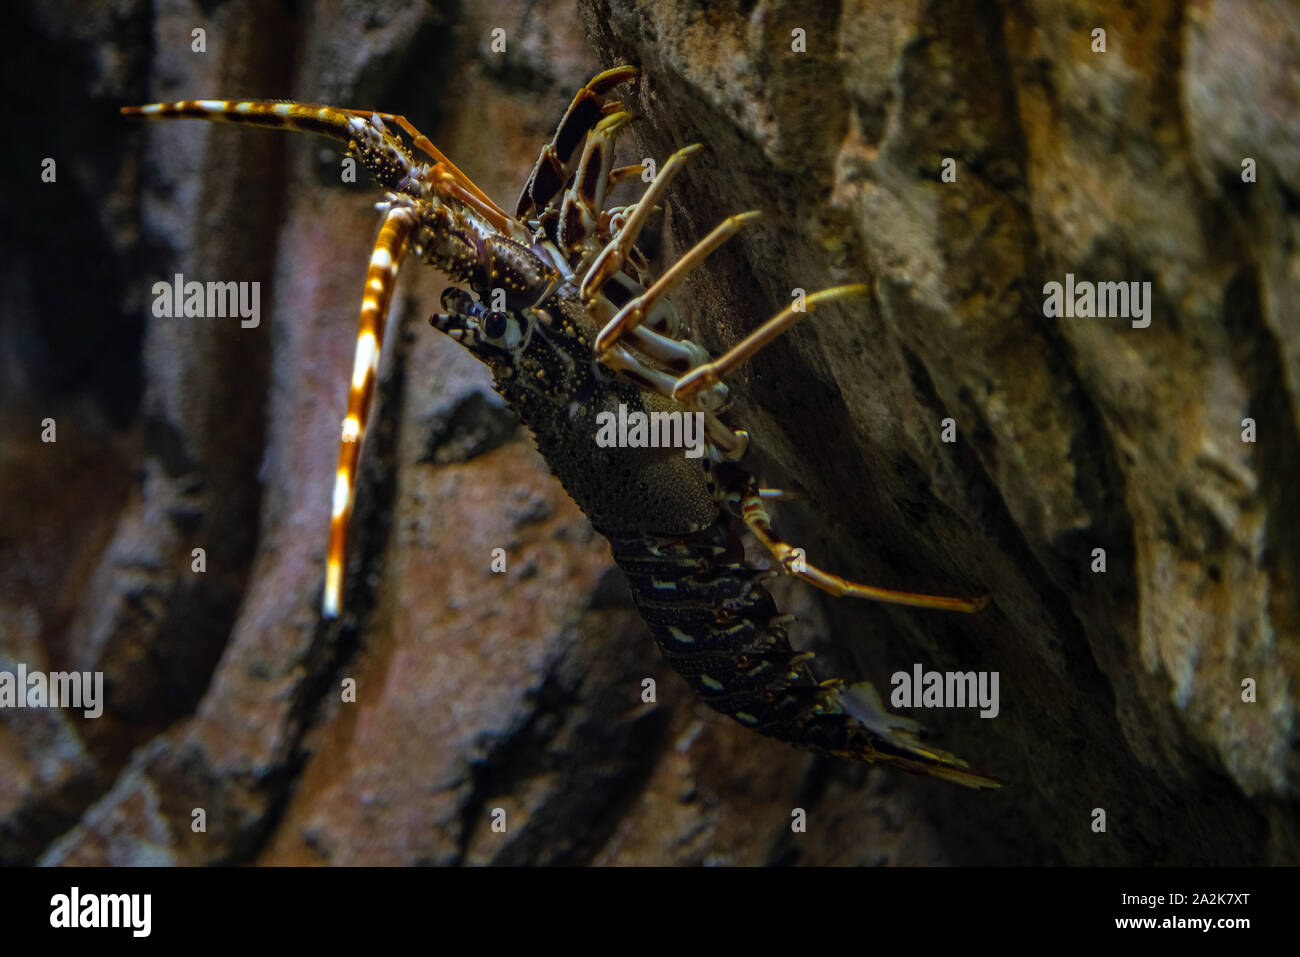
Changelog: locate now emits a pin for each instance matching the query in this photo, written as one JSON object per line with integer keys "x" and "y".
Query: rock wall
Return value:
{"x": 478, "y": 693}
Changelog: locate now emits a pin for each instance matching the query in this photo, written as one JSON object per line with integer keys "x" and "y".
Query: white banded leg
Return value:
{"x": 380, "y": 279}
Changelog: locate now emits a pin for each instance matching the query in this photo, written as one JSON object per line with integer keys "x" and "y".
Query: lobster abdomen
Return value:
{"x": 719, "y": 628}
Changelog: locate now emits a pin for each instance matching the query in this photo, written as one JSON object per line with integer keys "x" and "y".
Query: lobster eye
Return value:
{"x": 494, "y": 326}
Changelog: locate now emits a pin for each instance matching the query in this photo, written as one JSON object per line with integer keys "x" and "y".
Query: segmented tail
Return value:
{"x": 718, "y": 627}
{"x": 894, "y": 740}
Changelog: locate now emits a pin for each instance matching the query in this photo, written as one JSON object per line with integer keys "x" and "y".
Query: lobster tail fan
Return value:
{"x": 901, "y": 738}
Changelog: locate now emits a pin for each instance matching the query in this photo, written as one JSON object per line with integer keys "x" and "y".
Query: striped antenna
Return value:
{"x": 444, "y": 178}
{"x": 380, "y": 279}
{"x": 338, "y": 124}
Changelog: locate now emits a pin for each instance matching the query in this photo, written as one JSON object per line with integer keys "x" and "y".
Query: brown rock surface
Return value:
{"x": 478, "y": 693}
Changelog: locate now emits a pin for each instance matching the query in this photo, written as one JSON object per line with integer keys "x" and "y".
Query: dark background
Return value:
{"x": 1119, "y": 691}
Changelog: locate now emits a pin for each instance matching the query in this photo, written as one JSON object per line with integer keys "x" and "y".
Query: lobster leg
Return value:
{"x": 623, "y": 174}
{"x": 710, "y": 373}
{"x": 612, "y": 257}
{"x": 551, "y": 170}
{"x": 635, "y": 312}
{"x": 380, "y": 279}
{"x": 757, "y": 520}
{"x": 701, "y": 389}
{"x": 672, "y": 353}
{"x": 583, "y": 201}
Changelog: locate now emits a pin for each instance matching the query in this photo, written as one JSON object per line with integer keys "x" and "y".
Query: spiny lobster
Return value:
{"x": 576, "y": 327}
